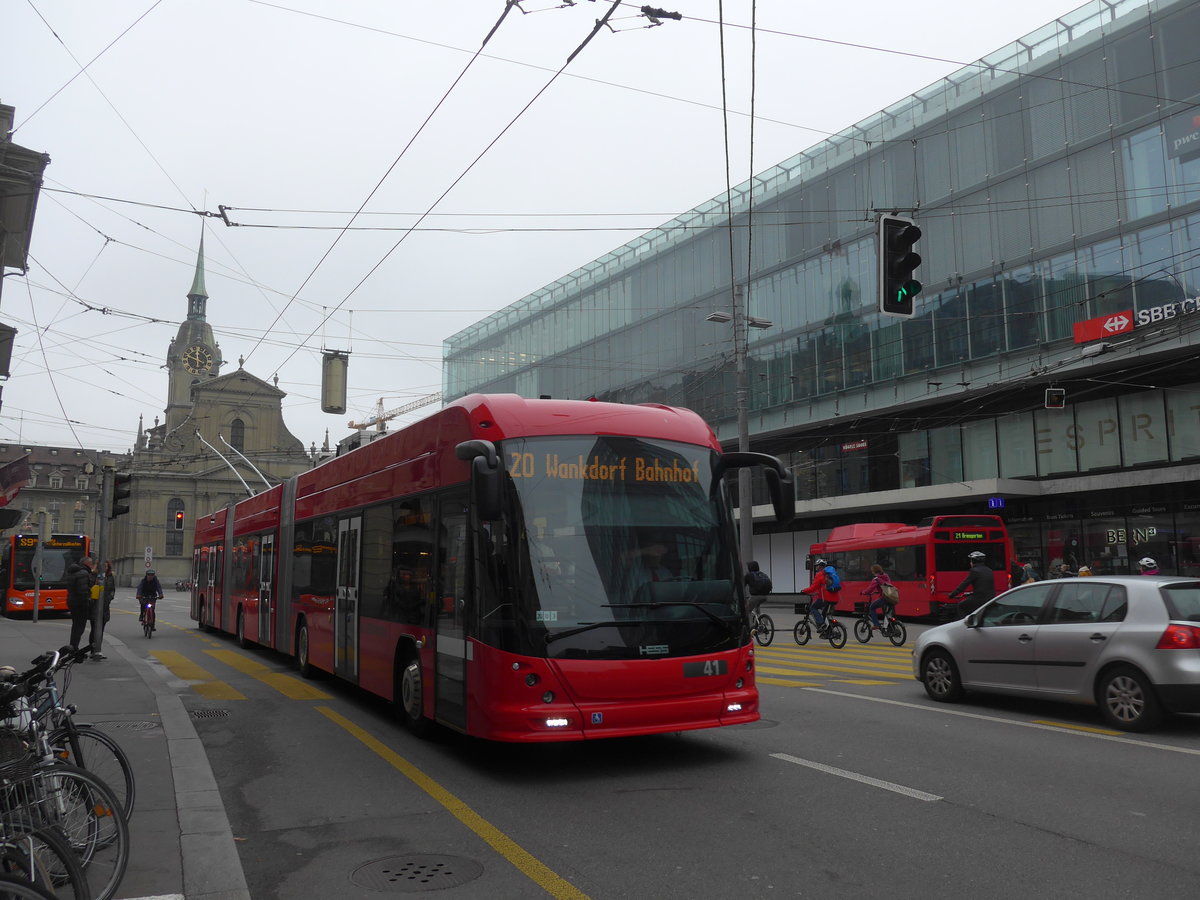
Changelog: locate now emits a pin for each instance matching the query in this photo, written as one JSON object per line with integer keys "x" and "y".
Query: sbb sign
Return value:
{"x": 1168, "y": 311}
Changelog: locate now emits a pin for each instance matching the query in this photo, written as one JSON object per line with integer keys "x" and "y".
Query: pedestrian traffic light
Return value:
{"x": 121, "y": 487}
{"x": 897, "y": 260}
{"x": 179, "y": 520}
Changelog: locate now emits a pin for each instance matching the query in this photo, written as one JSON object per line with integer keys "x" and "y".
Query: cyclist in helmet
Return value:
{"x": 149, "y": 590}
{"x": 816, "y": 591}
{"x": 981, "y": 581}
{"x": 1147, "y": 566}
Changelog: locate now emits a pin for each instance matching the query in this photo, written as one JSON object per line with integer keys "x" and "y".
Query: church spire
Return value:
{"x": 197, "y": 298}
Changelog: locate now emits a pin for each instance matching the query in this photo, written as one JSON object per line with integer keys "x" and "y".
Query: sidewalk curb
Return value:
{"x": 212, "y": 869}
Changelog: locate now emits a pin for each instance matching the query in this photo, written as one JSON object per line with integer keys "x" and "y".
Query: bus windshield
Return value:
{"x": 620, "y": 549}
{"x": 57, "y": 554}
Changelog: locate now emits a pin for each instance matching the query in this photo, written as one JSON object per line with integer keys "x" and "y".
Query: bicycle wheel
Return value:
{"x": 100, "y": 754}
{"x": 898, "y": 633}
{"x": 14, "y": 888}
{"x": 41, "y": 858}
{"x": 89, "y": 816}
{"x": 862, "y": 631}
{"x": 802, "y": 633}
{"x": 764, "y": 632}
{"x": 837, "y": 635}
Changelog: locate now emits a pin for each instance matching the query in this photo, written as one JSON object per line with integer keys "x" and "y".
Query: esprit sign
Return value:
{"x": 1104, "y": 326}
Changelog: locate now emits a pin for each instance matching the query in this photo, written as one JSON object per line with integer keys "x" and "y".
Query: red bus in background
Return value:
{"x": 17, "y": 579}
{"x": 926, "y": 561}
{"x": 518, "y": 570}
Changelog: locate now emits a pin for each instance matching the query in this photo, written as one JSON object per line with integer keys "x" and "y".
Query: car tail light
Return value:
{"x": 1179, "y": 637}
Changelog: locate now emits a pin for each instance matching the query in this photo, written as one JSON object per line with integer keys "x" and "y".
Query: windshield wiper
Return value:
{"x": 552, "y": 637}
{"x": 728, "y": 628}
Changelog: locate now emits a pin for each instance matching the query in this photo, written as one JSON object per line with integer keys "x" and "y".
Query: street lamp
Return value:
{"x": 741, "y": 322}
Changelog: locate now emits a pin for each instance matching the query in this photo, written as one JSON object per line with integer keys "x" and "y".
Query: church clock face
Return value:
{"x": 197, "y": 359}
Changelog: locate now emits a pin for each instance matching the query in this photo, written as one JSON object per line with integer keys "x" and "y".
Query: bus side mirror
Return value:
{"x": 779, "y": 479}
{"x": 486, "y": 477}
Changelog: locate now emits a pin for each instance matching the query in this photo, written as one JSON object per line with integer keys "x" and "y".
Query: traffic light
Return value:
{"x": 897, "y": 260}
{"x": 121, "y": 487}
{"x": 179, "y": 520}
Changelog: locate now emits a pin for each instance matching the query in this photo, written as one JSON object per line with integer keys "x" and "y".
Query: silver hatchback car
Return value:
{"x": 1129, "y": 644}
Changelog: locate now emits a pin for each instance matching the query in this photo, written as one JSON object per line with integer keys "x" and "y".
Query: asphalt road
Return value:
{"x": 853, "y": 785}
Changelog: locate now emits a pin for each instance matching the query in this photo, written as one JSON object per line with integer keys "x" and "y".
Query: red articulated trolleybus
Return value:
{"x": 18, "y": 577}
{"x": 926, "y": 561}
{"x": 518, "y": 570}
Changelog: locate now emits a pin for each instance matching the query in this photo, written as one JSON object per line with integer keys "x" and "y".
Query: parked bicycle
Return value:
{"x": 80, "y": 743}
{"x": 832, "y": 630}
{"x": 39, "y": 791}
{"x": 762, "y": 627}
{"x": 891, "y": 628}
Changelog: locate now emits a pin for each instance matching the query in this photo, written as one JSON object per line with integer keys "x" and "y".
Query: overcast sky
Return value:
{"x": 297, "y": 113}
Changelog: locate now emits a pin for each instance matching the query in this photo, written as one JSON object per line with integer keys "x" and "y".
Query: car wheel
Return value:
{"x": 939, "y": 674}
{"x": 1127, "y": 700}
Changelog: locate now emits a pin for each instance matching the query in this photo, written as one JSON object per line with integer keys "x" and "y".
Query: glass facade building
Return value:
{"x": 1057, "y": 186}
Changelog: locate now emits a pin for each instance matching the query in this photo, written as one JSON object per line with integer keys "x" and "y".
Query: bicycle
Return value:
{"x": 832, "y": 631}
{"x": 762, "y": 627}
{"x": 80, "y": 743}
{"x": 892, "y": 628}
{"x": 147, "y": 615}
{"x": 43, "y": 798}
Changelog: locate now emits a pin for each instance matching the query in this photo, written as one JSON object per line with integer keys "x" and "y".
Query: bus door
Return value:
{"x": 266, "y": 602}
{"x": 198, "y": 554}
{"x": 453, "y": 650}
{"x": 345, "y": 613}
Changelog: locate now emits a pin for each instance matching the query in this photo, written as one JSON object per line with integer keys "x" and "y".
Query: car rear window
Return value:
{"x": 1183, "y": 601}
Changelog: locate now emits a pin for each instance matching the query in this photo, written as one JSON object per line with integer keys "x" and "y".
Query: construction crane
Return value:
{"x": 382, "y": 415}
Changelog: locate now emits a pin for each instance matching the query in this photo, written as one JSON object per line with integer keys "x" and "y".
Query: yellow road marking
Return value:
{"x": 810, "y": 668}
{"x": 862, "y": 681}
{"x": 204, "y": 682}
{"x": 1077, "y": 727}
{"x": 291, "y": 687}
{"x": 782, "y": 683}
{"x": 528, "y": 865}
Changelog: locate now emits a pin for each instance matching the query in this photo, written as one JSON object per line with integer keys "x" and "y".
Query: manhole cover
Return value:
{"x": 128, "y": 726}
{"x": 416, "y": 872}
{"x": 209, "y": 713}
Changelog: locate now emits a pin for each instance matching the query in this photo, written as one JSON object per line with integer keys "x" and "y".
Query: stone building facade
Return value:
{"x": 222, "y": 438}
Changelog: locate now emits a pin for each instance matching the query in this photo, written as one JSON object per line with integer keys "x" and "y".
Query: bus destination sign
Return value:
{"x": 969, "y": 536}
{"x": 581, "y": 468}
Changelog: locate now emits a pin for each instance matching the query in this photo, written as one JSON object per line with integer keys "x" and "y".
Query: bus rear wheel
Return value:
{"x": 307, "y": 669}
{"x": 410, "y": 697}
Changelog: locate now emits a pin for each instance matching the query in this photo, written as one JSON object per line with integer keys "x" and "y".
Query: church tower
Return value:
{"x": 193, "y": 357}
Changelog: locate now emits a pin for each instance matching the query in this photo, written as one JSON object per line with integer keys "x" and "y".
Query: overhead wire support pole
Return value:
{"x": 221, "y": 438}
{"x": 227, "y": 462}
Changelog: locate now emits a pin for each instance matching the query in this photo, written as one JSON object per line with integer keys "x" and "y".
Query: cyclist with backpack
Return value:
{"x": 885, "y": 593}
{"x": 758, "y": 583}
{"x": 825, "y": 579}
